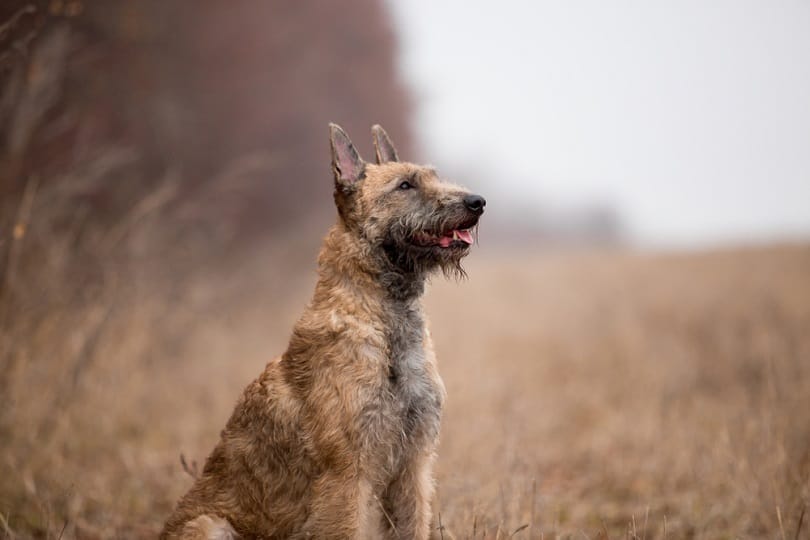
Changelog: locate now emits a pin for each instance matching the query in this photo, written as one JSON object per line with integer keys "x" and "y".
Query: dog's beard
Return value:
{"x": 407, "y": 251}
{"x": 412, "y": 259}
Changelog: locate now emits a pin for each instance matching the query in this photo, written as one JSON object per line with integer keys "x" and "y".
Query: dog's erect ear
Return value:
{"x": 383, "y": 146}
{"x": 346, "y": 162}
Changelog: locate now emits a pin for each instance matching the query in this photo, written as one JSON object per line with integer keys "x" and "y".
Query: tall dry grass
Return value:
{"x": 626, "y": 396}
{"x": 120, "y": 339}
{"x": 591, "y": 395}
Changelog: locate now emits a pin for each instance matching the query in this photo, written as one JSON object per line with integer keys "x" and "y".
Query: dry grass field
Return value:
{"x": 628, "y": 396}
{"x": 591, "y": 395}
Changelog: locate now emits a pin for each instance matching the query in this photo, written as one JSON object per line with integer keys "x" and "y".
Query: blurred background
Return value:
{"x": 630, "y": 356}
{"x": 669, "y": 124}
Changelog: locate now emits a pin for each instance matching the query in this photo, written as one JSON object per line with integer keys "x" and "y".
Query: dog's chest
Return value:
{"x": 415, "y": 393}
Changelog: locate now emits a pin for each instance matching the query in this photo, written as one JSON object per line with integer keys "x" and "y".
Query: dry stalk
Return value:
{"x": 192, "y": 470}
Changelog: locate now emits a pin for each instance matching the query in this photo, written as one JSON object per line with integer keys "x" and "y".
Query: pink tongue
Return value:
{"x": 465, "y": 236}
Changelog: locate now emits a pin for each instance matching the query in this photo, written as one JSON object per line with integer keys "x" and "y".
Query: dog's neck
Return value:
{"x": 345, "y": 260}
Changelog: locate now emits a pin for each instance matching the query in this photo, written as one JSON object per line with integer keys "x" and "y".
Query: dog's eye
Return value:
{"x": 405, "y": 185}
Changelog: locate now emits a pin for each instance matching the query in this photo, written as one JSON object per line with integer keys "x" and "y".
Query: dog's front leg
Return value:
{"x": 340, "y": 507}
{"x": 408, "y": 498}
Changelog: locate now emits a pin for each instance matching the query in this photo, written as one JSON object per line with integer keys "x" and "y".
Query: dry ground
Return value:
{"x": 590, "y": 395}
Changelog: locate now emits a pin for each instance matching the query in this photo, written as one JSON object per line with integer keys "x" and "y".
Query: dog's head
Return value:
{"x": 403, "y": 211}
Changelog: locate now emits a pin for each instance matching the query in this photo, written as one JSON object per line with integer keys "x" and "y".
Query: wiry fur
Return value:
{"x": 337, "y": 437}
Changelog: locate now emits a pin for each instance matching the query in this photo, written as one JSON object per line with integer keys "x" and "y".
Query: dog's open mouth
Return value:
{"x": 453, "y": 238}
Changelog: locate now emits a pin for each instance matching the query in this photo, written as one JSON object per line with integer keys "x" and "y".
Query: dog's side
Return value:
{"x": 337, "y": 437}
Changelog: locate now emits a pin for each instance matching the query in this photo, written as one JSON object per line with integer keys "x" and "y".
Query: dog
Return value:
{"x": 337, "y": 437}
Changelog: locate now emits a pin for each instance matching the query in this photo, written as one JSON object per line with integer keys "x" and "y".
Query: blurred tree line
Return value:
{"x": 147, "y": 150}
{"x": 215, "y": 111}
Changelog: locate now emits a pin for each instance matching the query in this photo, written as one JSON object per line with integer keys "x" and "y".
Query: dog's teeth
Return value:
{"x": 455, "y": 235}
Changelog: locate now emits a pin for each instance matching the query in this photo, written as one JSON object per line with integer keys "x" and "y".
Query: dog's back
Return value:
{"x": 258, "y": 474}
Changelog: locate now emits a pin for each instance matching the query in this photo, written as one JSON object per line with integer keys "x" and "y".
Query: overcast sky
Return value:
{"x": 691, "y": 117}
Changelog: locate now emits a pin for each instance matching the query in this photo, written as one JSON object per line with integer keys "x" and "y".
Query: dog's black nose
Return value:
{"x": 476, "y": 203}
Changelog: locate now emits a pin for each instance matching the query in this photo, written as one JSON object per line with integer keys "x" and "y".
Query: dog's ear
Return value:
{"x": 346, "y": 163}
{"x": 383, "y": 146}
